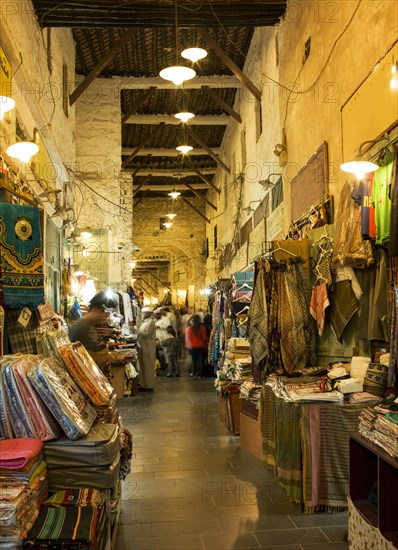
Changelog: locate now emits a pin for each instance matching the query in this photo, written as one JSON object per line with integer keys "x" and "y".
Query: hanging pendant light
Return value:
{"x": 177, "y": 73}
{"x": 168, "y": 225}
{"x": 171, "y": 216}
{"x": 184, "y": 116}
{"x": 359, "y": 167}
{"x": 6, "y": 104}
{"x": 194, "y": 54}
{"x": 184, "y": 149}
{"x": 174, "y": 194}
{"x": 22, "y": 150}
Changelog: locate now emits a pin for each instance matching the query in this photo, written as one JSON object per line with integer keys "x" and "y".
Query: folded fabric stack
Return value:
{"x": 63, "y": 397}
{"x": 238, "y": 348}
{"x": 22, "y": 411}
{"x": 70, "y": 519}
{"x": 23, "y": 483}
{"x": 251, "y": 392}
{"x": 380, "y": 425}
{"x": 92, "y": 461}
{"x": 49, "y": 342}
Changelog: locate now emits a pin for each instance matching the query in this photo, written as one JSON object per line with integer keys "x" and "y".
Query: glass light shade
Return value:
{"x": 85, "y": 234}
{"x": 167, "y": 225}
{"x": 89, "y": 291}
{"x": 22, "y": 150}
{"x": 171, "y": 216}
{"x": 85, "y": 253}
{"x": 133, "y": 264}
{"x": 194, "y": 54}
{"x": 394, "y": 79}
{"x": 184, "y": 116}
{"x": 177, "y": 74}
{"x": 184, "y": 149}
{"x": 174, "y": 194}
{"x": 359, "y": 167}
{"x": 6, "y": 104}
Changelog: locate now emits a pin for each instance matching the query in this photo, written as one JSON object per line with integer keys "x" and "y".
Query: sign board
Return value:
{"x": 176, "y": 276}
{"x": 375, "y": 98}
{"x": 43, "y": 167}
{"x": 310, "y": 185}
{"x": 275, "y": 223}
{"x": 5, "y": 75}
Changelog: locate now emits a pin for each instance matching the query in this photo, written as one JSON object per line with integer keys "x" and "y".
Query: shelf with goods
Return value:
{"x": 371, "y": 465}
{"x": 95, "y": 451}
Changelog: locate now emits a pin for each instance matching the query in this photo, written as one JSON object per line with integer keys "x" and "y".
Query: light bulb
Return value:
{"x": 171, "y": 216}
{"x": 174, "y": 194}
{"x": 22, "y": 150}
{"x": 394, "y": 78}
{"x": 167, "y": 225}
{"x": 359, "y": 167}
{"x": 133, "y": 264}
{"x": 184, "y": 149}
{"x": 6, "y": 104}
{"x": 177, "y": 74}
{"x": 194, "y": 54}
{"x": 85, "y": 234}
{"x": 184, "y": 116}
{"x": 85, "y": 253}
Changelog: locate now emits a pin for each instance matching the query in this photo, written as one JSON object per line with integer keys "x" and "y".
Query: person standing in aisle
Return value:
{"x": 196, "y": 341}
{"x": 171, "y": 350}
{"x": 146, "y": 338}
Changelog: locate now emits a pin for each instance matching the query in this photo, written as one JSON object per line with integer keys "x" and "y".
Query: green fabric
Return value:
{"x": 381, "y": 199}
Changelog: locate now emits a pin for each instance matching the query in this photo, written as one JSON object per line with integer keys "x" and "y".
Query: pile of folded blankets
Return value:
{"x": 23, "y": 481}
{"x": 379, "y": 424}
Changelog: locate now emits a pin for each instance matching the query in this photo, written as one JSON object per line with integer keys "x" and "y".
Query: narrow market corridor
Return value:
{"x": 192, "y": 487}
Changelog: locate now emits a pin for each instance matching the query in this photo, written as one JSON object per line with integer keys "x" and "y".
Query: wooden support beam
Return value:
{"x": 143, "y": 83}
{"x": 163, "y": 152}
{"x": 171, "y": 187}
{"x": 170, "y": 172}
{"x": 145, "y": 162}
{"x": 137, "y": 203}
{"x": 229, "y": 63}
{"x": 206, "y": 148}
{"x": 136, "y": 189}
{"x": 202, "y": 177}
{"x": 139, "y": 103}
{"x": 200, "y": 196}
{"x": 205, "y": 120}
{"x": 92, "y": 75}
{"x": 196, "y": 209}
{"x": 142, "y": 144}
{"x": 223, "y": 104}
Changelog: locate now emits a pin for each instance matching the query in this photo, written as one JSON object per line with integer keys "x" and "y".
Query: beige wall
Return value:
{"x": 310, "y": 118}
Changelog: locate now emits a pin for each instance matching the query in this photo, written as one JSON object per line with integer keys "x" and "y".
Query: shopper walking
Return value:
{"x": 171, "y": 350}
{"x": 146, "y": 337}
{"x": 196, "y": 341}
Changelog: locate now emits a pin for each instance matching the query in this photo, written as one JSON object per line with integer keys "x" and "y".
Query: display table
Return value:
{"x": 307, "y": 446}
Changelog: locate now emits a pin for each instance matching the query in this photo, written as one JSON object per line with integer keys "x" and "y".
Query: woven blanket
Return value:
{"x": 258, "y": 330}
{"x": 16, "y": 453}
{"x": 77, "y": 497}
{"x": 325, "y": 430}
{"x": 21, "y": 256}
{"x": 268, "y": 425}
{"x": 63, "y": 525}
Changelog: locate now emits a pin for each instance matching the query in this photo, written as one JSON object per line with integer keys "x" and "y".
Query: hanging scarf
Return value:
{"x": 258, "y": 331}
{"x": 21, "y": 254}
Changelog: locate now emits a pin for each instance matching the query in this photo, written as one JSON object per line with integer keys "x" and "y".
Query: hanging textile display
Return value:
{"x": 283, "y": 334}
{"x": 21, "y": 263}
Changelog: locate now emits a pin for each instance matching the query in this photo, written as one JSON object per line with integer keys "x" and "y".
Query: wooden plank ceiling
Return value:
{"x": 98, "y": 24}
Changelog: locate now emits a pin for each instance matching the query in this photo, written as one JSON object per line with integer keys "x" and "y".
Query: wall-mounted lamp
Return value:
{"x": 248, "y": 210}
{"x": 279, "y": 148}
{"x": 359, "y": 166}
{"x": 267, "y": 183}
{"x": 51, "y": 195}
{"x": 394, "y": 77}
{"x": 23, "y": 150}
{"x": 6, "y": 104}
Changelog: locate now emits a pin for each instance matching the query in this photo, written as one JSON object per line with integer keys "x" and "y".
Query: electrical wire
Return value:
{"x": 225, "y": 32}
{"x": 96, "y": 192}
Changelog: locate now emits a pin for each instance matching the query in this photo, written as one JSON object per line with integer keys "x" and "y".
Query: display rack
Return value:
{"x": 369, "y": 464}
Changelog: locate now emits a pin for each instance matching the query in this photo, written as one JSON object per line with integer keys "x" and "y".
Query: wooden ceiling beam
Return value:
{"x": 142, "y": 83}
{"x": 97, "y": 70}
{"x": 223, "y": 104}
{"x": 142, "y": 144}
{"x": 206, "y": 148}
{"x": 196, "y": 209}
{"x": 200, "y": 196}
{"x": 169, "y": 173}
{"x": 169, "y": 187}
{"x": 163, "y": 152}
{"x": 230, "y": 63}
{"x": 139, "y": 103}
{"x": 207, "y": 120}
{"x": 201, "y": 173}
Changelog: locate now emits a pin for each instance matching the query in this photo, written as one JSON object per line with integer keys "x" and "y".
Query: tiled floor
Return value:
{"x": 192, "y": 487}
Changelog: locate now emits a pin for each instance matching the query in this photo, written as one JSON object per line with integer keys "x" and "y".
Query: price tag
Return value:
{"x": 24, "y": 316}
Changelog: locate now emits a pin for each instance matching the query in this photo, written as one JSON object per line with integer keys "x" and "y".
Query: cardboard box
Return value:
{"x": 250, "y": 436}
{"x": 118, "y": 380}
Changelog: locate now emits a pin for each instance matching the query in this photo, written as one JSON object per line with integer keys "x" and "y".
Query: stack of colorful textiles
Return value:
{"x": 380, "y": 425}
{"x": 62, "y": 396}
{"x": 86, "y": 374}
{"x": 23, "y": 482}
{"x": 22, "y": 411}
{"x": 71, "y": 519}
{"x": 251, "y": 392}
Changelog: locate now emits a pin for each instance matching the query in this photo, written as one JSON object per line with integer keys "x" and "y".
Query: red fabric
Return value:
{"x": 193, "y": 341}
{"x": 372, "y": 211}
{"x": 15, "y": 453}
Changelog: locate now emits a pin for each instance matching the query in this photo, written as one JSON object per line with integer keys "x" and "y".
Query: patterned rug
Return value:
{"x": 21, "y": 256}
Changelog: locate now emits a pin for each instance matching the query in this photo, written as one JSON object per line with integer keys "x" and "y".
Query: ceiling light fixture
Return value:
{"x": 23, "y": 150}
{"x": 174, "y": 194}
{"x": 85, "y": 233}
{"x": 184, "y": 149}
{"x": 359, "y": 166}
{"x": 177, "y": 73}
{"x": 194, "y": 54}
{"x": 171, "y": 216}
{"x": 167, "y": 225}
{"x": 6, "y": 104}
{"x": 184, "y": 116}
{"x": 394, "y": 78}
